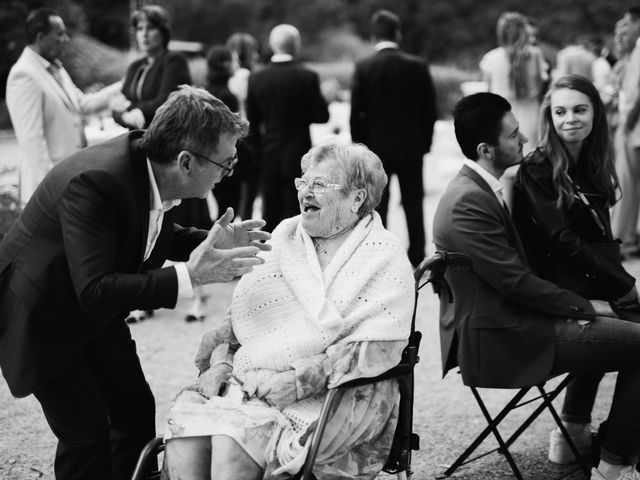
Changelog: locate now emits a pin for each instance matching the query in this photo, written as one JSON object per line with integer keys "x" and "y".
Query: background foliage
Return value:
{"x": 452, "y": 34}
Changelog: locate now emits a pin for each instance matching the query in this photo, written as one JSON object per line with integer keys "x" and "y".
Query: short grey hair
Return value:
{"x": 362, "y": 169}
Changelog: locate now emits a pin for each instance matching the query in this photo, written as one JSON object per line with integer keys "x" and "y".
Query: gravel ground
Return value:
{"x": 445, "y": 414}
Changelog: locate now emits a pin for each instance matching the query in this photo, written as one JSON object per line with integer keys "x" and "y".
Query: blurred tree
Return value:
{"x": 108, "y": 21}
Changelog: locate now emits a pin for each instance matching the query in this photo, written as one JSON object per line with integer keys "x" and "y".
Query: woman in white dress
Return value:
{"x": 516, "y": 70}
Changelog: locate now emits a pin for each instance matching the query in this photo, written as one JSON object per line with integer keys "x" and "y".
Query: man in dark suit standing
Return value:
{"x": 88, "y": 248}
{"x": 283, "y": 99}
{"x": 509, "y": 328}
{"x": 393, "y": 112}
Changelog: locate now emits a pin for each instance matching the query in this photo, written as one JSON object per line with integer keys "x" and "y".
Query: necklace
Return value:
{"x": 320, "y": 244}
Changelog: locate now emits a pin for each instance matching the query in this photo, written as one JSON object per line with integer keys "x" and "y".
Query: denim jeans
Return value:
{"x": 591, "y": 349}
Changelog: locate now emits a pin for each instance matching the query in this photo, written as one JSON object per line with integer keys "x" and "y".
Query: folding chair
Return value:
{"x": 404, "y": 440}
{"x": 445, "y": 291}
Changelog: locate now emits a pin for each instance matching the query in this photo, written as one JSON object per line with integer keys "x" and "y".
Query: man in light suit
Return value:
{"x": 88, "y": 248}
{"x": 283, "y": 99}
{"x": 509, "y": 328}
{"x": 45, "y": 106}
{"x": 393, "y": 111}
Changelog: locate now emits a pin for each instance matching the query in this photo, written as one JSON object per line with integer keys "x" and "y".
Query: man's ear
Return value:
{"x": 484, "y": 150}
{"x": 185, "y": 161}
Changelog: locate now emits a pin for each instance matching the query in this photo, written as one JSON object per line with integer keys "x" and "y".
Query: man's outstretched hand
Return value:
{"x": 241, "y": 234}
{"x": 229, "y": 251}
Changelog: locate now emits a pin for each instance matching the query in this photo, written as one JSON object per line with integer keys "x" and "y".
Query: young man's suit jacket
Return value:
{"x": 73, "y": 262}
{"x": 500, "y": 328}
{"x": 47, "y": 117}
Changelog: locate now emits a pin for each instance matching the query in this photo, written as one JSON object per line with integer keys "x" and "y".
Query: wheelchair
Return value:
{"x": 405, "y": 441}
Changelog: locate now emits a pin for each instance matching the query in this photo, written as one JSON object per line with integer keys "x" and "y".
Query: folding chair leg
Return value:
{"x": 493, "y": 425}
{"x": 547, "y": 398}
{"x": 461, "y": 460}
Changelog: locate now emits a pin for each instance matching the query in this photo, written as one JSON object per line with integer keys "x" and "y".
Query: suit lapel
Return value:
{"x": 49, "y": 80}
{"x": 141, "y": 184}
{"x": 510, "y": 228}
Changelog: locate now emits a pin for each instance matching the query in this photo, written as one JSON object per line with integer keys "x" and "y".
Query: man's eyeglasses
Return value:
{"x": 317, "y": 186}
{"x": 227, "y": 169}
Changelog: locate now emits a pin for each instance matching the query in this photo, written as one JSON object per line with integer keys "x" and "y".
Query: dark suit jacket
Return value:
{"x": 284, "y": 98}
{"x": 165, "y": 75}
{"x": 500, "y": 328}
{"x": 72, "y": 263}
{"x": 393, "y": 107}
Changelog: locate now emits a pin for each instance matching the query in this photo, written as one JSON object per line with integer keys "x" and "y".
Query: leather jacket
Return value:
{"x": 569, "y": 238}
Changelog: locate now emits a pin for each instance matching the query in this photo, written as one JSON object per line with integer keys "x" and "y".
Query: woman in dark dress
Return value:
{"x": 150, "y": 79}
{"x": 562, "y": 195}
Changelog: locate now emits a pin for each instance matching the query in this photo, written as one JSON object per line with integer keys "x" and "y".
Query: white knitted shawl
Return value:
{"x": 289, "y": 309}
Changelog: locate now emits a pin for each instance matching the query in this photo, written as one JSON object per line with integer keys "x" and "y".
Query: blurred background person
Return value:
{"x": 625, "y": 215}
{"x": 283, "y": 100}
{"x": 575, "y": 58}
{"x": 516, "y": 70}
{"x": 244, "y": 60}
{"x": 45, "y": 106}
{"x": 393, "y": 112}
{"x": 150, "y": 79}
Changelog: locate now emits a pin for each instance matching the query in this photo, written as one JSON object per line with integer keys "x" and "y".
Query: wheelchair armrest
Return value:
{"x": 439, "y": 261}
{"x": 398, "y": 371}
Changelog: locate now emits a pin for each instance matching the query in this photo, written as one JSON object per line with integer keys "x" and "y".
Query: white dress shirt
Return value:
{"x": 493, "y": 182}
{"x": 156, "y": 215}
{"x": 385, "y": 44}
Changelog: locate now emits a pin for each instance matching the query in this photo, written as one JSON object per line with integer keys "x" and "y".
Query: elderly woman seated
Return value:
{"x": 331, "y": 303}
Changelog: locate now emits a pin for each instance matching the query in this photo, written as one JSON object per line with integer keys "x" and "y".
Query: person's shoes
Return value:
{"x": 137, "y": 316}
{"x": 559, "y": 450}
{"x": 627, "y": 473}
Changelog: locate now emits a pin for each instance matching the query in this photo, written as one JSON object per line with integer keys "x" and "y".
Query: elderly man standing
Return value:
{"x": 45, "y": 106}
{"x": 284, "y": 98}
{"x": 89, "y": 247}
{"x": 393, "y": 111}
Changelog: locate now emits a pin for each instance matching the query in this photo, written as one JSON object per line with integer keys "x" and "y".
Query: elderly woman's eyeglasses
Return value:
{"x": 317, "y": 186}
{"x": 227, "y": 169}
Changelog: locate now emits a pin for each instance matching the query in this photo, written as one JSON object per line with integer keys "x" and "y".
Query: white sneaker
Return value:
{"x": 559, "y": 451}
{"x": 627, "y": 473}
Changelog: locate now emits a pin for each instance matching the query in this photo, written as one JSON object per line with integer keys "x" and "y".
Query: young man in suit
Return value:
{"x": 393, "y": 111}
{"x": 283, "y": 99}
{"x": 508, "y": 327}
{"x": 89, "y": 247}
{"x": 45, "y": 106}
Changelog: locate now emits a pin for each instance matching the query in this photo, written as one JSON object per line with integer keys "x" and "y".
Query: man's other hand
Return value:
{"x": 241, "y": 234}
{"x": 210, "y": 264}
